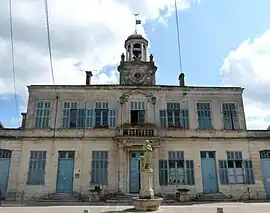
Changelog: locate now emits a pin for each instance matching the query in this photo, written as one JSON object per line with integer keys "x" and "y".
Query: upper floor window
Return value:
{"x": 68, "y": 106}
{"x": 174, "y": 116}
{"x": 101, "y": 116}
{"x": 137, "y": 112}
{"x": 229, "y": 116}
{"x": 235, "y": 170}
{"x": 43, "y": 114}
{"x": 204, "y": 113}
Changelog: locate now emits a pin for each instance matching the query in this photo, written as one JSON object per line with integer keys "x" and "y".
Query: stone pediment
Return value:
{"x": 126, "y": 95}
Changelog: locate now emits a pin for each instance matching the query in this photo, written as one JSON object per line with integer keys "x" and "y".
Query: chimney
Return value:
{"x": 23, "y": 120}
{"x": 181, "y": 80}
{"x": 88, "y": 77}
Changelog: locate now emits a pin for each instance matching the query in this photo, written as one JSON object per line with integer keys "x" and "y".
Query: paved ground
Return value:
{"x": 197, "y": 208}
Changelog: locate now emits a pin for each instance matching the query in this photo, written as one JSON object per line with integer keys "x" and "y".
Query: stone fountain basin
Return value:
{"x": 143, "y": 204}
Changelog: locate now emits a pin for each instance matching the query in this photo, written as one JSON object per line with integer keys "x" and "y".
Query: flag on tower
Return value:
{"x": 138, "y": 21}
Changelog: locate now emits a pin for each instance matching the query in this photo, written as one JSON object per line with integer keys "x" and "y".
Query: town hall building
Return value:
{"x": 77, "y": 137}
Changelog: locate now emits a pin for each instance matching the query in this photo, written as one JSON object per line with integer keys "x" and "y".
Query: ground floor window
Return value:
{"x": 99, "y": 172}
{"x": 176, "y": 170}
{"x": 235, "y": 170}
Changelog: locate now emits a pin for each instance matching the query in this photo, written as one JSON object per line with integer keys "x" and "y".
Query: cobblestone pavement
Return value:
{"x": 197, "y": 208}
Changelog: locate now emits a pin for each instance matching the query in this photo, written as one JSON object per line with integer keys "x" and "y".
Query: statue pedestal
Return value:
{"x": 146, "y": 190}
{"x": 147, "y": 201}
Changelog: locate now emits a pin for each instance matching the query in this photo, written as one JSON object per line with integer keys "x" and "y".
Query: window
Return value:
{"x": 229, "y": 116}
{"x": 265, "y": 154}
{"x": 99, "y": 174}
{"x": 235, "y": 170}
{"x": 36, "y": 172}
{"x": 77, "y": 118}
{"x": 43, "y": 113}
{"x": 137, "y": 112}
{"x": 176, "y": 170}
{"x": 204, "y": 116}
{"x": 101, "y": 114}
{"x": 67, "y": 106}
{"x": 174, "y": 116}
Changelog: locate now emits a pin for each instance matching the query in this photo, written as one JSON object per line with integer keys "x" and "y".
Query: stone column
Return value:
{"x": 121, "y": 168}
{"x": 156, "y": 170}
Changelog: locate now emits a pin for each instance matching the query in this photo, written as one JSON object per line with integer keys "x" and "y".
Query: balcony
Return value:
{"x": 139, "y": 130}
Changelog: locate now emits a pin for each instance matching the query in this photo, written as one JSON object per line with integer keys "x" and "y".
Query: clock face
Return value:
{"x": 137, "y": 76}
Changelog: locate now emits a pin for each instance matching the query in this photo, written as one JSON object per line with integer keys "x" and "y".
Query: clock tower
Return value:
{"x": 135, "y": 68}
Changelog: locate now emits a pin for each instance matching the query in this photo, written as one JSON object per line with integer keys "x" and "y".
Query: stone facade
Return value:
{"x": 119, "y": 141}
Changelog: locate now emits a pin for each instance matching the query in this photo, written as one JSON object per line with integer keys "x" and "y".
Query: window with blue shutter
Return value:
{"x": 174, "y": 116}
{"x": 101, "y": 114}
{"x": 176, "y": 170}
{"x": 229, "y": 116}
{"x": 89, "y": 118}
{"x": 99, "y": 174}
{"x": 36, "y": 172}
{"x": 190, "y": 178}
{"x": 43, "y": 114}
{"x": 112, "y": 122}
{"x": 204, "y": 114}
{"x": 223, "y": 172}
{"x": 249, "y": 172}
{"x": 67, "y": 106}
{"x": 235, "y": 170}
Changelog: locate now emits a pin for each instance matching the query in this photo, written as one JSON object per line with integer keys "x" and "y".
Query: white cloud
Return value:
{"x": 92, "y": 32}
{"x": 249, "y": 66}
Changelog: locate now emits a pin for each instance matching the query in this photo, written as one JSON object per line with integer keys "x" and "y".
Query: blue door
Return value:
{"x": 134, "y": 174}
{"x": 5, "y": 159}
{"x": 209, "y": 172}
{"x": 265, "y": 162}
{"x": 65, "y": 172}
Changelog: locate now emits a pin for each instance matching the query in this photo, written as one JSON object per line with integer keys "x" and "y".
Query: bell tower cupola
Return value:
{"x": 135, "y": 67}
{"x": 136, "y": 48}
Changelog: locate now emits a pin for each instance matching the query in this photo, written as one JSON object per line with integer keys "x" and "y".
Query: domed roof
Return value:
{"x": 136, "y": 36}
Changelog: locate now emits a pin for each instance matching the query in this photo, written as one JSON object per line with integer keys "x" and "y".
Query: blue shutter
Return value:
{"x": 36, "y": 172}
{"x": 163, "y": 172}
{"x": 163, "y": 119}
{"x": 190, "y": 178}
{"x": 249, "y": 172}
{"x": 89, "y": 118}
{"x": 112, "y": 122}
{"x": 185, "y": 119}
{"x": 223, "y": 172}
{"x": 81, "y": 118}
{"x": 99, "y": 173}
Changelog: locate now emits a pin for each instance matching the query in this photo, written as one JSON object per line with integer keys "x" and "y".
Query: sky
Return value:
{"x": 222, "y": 43}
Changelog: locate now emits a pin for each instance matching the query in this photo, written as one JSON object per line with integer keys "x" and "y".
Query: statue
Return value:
{"x": 146, "y": 159}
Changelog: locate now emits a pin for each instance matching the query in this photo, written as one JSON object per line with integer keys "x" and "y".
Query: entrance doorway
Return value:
{"x": 65, "y": 172}
{"x": 134, "y": 171}
{"x": 209, "y": 172}
{"x": 265, "y": 162}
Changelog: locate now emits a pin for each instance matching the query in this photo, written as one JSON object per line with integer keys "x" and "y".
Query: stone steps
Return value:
{"x": 126, "y": 199}
{"x": 213, "y": 197}
{"x": 60, "y": 197}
